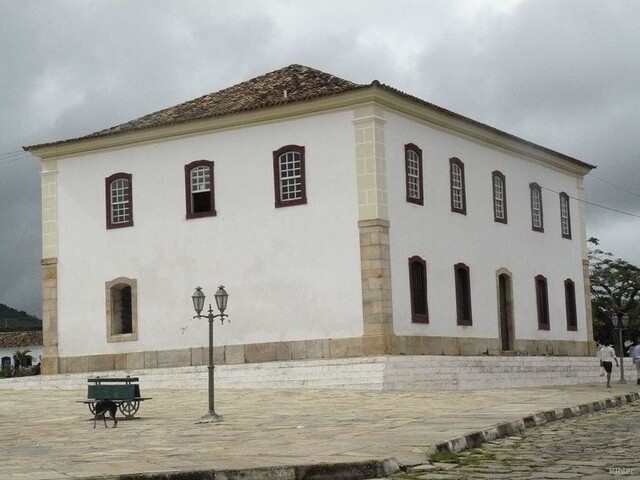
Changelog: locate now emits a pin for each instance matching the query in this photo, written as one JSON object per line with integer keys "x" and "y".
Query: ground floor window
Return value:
{"x": 121, "y": 309}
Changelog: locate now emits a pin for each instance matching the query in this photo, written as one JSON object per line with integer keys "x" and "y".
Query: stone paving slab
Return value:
{"x": 46, "y": 435}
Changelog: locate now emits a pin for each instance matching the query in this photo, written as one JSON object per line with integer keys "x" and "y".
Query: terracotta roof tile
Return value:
{"x": 291, "y": 84}
{"x": 20, "y": 339}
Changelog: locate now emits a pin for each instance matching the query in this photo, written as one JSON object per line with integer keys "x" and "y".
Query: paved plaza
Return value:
{"x": 47, "y": 435}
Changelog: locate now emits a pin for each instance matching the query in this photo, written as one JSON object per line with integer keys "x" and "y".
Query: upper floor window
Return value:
{"x": 413, "y": 169}
{"x": 542, "y": 302}
{"x": 565, "y": 216}
{"x": 537, "y": 221}
{"x": 570, "y": 304}
{"x": 463, "y": 294}
{"x": 418, "y": 290}
{"x": 119, "y": 202}
{"x": 499, "y": 197}
{"x": 458, "y": 196}
{"x": 200, "y": 197}
{"x": 289, "y": 176}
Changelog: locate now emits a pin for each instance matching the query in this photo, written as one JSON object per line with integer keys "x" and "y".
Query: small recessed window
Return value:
{"x": 119, "y": 200}
{"x": 458, "y": 195}
{"x": 413, "y": 171}
{"x": 499, "y": 197}
{"x": 565, "y": 216}
{"x": 463, "y": 294}
{"x": 121, "y": 309}
{"x": 542, "y": 302}
{"x": 199, "y": 187}
{"x": 418, "y": 290}
{"x": 289, "y": 176}
{"x": 537, "y": 220}
{"x": 570, "y": 304}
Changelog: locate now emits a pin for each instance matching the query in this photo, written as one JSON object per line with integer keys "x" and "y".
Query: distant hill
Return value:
{"x": 12, "y": 320}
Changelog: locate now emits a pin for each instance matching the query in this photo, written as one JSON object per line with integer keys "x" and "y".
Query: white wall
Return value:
{"x": 444, "y": 238}
{"x": 292, "y": 273}
{"x": 35, "y": 352}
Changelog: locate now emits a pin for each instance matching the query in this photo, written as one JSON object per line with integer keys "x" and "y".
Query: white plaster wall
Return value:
{"x": 292, "y": 273}
{"x": 444, "y": 238}
{"x": 35, "y": 352}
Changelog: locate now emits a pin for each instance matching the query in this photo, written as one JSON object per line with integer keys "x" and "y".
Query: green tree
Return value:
{"x": 615, "y": 291}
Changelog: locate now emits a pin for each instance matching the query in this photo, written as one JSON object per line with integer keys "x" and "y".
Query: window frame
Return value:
{"x": 189, "y": 204}
{"x": 535, "y": 189}
{"x": 409, "y": 149}
{"x": 111, "y": 288}
{"x": 418, "y": 317}
{"x": 571, "y": 308}
{"x": 455, "y": 162}
{"x": 565, "y": 198}
{"x": 542, "y": 302}
{"x": 109, "y": 203}
{"x": 464, "y": 311}
{"x": 277, "y": 179}
{"x": 497, "y": 175}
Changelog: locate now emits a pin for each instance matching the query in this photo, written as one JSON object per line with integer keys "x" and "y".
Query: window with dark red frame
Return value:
{"x": 418, "y": 290}
{"x": 463, "y": 294}
{"x": 289, "y": 176}
{"x": 565, "y": 216}
{"x": 199, "y": 189}
{"x": 413, "y": 173}
{"x": 570, "y": 304}
{"x": 537, "y": 219}
{"x": 499, "y": 184}
{"x": 458, "y": 194}
{"x": 119, "y": 200}
{"x": 542, "y": 302}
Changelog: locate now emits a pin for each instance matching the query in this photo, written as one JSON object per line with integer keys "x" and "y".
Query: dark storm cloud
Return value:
{"x": 560, "y": 73}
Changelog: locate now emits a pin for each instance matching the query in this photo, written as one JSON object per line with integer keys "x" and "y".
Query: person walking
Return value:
{"x": 635, "y": 356}
{"x": 607, "y": 355}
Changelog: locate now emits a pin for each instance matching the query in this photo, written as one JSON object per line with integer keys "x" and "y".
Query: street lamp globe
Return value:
{"x": 198, "y": 298}
{"x": 221, "y": 297}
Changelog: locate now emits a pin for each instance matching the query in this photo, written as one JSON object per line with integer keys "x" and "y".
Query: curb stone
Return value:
{"x": 506, "y": 429}
{"x": 324, "y": 471}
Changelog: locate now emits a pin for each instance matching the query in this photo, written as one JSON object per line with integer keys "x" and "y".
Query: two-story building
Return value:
{"x": 344, "y": 220}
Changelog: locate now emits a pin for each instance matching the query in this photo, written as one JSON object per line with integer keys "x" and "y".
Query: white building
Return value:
{"x": 344, "y": 220}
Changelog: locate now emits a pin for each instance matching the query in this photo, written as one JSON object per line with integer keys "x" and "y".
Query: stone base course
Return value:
{"x": 393, "y": 373}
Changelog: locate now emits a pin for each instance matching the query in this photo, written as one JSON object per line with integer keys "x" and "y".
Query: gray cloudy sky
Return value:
{"x": 561, "y": 73}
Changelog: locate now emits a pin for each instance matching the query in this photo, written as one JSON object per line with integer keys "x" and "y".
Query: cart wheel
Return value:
{"x": 129, "y": 408}
{"x": 92, "y": 408}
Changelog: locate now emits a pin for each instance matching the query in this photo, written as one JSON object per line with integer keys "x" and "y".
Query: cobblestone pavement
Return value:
{"x": 601, "y": 445}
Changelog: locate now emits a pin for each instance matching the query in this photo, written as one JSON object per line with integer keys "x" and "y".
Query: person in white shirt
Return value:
{"x": 607, "y": 356}
{"x": 635, "y": 356}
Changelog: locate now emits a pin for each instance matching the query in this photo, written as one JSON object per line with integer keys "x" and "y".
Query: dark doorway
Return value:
{"x": 505, "y": 311}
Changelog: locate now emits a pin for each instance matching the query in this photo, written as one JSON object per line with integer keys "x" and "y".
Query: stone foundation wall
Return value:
{"x": 313, "y": 349}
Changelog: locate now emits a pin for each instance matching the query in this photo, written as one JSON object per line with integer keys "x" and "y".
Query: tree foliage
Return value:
{"x": 615, "y": 290}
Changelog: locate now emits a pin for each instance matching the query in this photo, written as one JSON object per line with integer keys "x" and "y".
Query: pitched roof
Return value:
{"x": 291, "y": 84}
{"x": 20, "y": 339}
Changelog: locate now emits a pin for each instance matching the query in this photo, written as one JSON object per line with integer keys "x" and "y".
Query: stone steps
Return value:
{"x": 410, "y": 373}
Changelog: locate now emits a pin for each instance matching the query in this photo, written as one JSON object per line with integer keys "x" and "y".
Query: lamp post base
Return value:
{"x": 210, "y": 417}
{"x": 622, "y": 380}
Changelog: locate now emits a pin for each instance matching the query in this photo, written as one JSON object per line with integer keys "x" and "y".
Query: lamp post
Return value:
{"x": 198, "y": 298}
{"x": 620, "y": 322}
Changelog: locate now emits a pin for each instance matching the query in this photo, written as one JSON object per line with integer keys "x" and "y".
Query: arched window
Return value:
{"x": 289, "y": 176}
{"x": 570, "y": 304}
{"x": 119, "y": 200}
{"x": 542, "y": 302}
{"x": 565, "y": 216}
{"x": 418, "y": 290}
{"x": 463, "y": 294}
{"x": 458, "y": 195}
{"x": 499, "y": 197}
{"x": 199, "y": 188}
{"x": 122, "y": 309}
{"x": 537, "y": 221}
{"x": 413, "y": 171}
